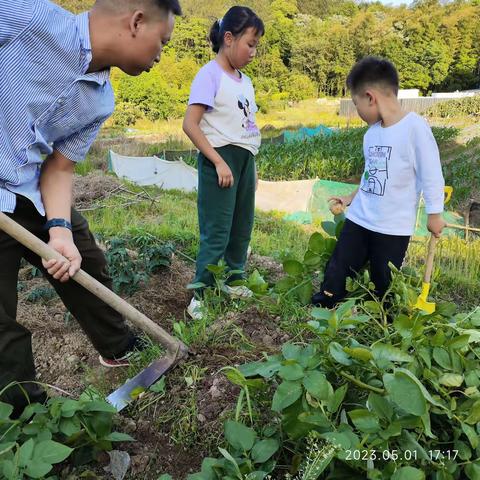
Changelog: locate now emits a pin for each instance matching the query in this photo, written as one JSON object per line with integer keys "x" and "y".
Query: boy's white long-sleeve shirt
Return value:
{"x": 401, "y": 162}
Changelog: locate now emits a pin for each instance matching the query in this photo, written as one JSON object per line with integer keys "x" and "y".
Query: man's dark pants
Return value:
{"x": 105, "y": 328}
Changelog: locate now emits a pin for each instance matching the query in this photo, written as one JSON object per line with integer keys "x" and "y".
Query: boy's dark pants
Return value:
{"x": 225, "y": 215}
{"x": 105, "y": 327}
{"x": 356, "y": 247}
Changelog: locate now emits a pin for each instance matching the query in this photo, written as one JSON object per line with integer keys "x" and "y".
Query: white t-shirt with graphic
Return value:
{"x": 401, "y": 162}
{"x": 230, "y": 116}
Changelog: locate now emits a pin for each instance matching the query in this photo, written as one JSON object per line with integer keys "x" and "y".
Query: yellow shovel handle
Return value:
{"x": 448, "y": 194}
{"x": 430, "y": 257}
{"x": 425, "y": 291}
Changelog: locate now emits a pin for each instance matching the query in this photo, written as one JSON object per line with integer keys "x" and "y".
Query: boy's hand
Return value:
{"x": 338, "y": 204}
{"x": 436, "y": 224}
{"x": 61, "y": 240}
{"x": 345, "y": 200}
{"x": 225, "y": 175}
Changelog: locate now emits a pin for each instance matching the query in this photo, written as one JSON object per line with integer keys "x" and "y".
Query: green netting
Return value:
{"x": 319, "y": 209}
{"x": 306, "y": 133}
{"x": 303, "y": 218}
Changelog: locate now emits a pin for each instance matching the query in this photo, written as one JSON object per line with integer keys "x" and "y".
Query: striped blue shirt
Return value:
{"x": 47, "y": 100}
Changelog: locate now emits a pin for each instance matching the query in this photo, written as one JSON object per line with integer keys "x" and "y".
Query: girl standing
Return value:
{"x": 220, "y": 121}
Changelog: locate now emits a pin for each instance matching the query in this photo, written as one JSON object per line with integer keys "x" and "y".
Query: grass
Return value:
{"x": 281, "y": 116}
{"x": 318, "y": 112}
{"x": 174, "y": 218}
{"x": 462, "y": 170}
{"x": 457, "y": 266}
{"x": 338, "y": 156}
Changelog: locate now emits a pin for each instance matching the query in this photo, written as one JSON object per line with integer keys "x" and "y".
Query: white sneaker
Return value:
{"x": 239, "y": 292}
{"x": 195, "y": 309}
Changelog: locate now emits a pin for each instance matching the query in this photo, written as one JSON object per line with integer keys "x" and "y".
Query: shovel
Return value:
{"x": 422, "y": 302}
{"x": 176, "y": 350}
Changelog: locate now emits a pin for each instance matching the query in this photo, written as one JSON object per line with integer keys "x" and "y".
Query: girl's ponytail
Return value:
{"x": 215, "y": 36}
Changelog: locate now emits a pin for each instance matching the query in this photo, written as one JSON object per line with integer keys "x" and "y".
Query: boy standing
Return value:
{"x": 401, "y": 162}
{"x": 55, "y": 94}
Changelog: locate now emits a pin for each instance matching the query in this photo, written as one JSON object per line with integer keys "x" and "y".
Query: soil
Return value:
{"x": 267, "y": 266}
{"x": 167, "y": 432}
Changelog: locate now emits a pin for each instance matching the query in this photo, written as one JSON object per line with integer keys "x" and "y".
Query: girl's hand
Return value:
{"x": 225, "y": 175}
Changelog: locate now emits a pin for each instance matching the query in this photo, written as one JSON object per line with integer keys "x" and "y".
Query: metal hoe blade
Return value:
{"x": 132, "y": 388}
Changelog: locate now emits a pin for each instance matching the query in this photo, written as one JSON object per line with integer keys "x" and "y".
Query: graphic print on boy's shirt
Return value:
{"x": 376, "y": 170}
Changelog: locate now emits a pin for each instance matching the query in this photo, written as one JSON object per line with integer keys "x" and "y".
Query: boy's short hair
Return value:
{"x": 166, "y": 5}
{"x": 371, "y": 71}
{"x": 170, "y": 6}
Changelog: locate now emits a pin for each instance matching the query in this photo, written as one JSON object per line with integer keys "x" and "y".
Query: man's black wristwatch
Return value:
{"x": 57, "y": 222}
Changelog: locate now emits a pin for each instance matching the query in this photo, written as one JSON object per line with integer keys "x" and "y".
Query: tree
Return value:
{"x": 326, "y": 8}
{"x": 309, "y": 48}
{"x": 190, "y": 40}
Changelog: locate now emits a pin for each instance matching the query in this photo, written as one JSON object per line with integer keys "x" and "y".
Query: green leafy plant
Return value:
{"x": 43, "y": 294}
{"x": 256, "y": 284}
{"x": 124, "y": 270}
{"x": 469, "y": 106}
{"x": 132, "y": 260}
{"x": 338, "y": 156}
{"x": 300, "y": 275}
{"x": 45, "y": 435}
{"x": 152, "y": 254}
{"x": 463, "y": 172}
{"x": 223, "y": 277}
{"x": 397, "y": 400}
{"x": 246, "y": 456}
{"x": 334, "y": 157}
{"x": 246, "y": 385}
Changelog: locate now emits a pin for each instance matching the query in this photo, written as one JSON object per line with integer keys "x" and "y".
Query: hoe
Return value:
{"x": 176, "y": 350}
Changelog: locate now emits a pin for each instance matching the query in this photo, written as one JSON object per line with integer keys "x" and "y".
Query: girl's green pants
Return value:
{"x": 225, "y": 215}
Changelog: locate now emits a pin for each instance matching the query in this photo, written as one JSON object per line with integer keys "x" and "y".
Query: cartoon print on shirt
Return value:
{"x": 249, "y": 121}
{"x": 376, "y": 170}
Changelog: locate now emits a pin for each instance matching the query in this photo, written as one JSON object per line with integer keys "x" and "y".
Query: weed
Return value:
{"x": 44, "y": 294}
{"x": 183, "y": 416}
